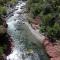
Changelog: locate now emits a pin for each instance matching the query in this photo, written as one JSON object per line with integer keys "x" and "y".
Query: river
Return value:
{"x": 24, "y": 48}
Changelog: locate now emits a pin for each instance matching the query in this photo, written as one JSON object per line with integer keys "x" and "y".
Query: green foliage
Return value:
{"x": 46, "y": 19}
{"x": 49, "y": 10}
{"x": 34, "y": 6}
{"x": 1, "y": 21}
{"x": 54, "y": 31}
{"x": 1, "y": 50}
{"x": 35, "y": 9}
{"x": 13, "y": 1}
{"x": 3, "y": 10}
{"x": 3, "y": 2}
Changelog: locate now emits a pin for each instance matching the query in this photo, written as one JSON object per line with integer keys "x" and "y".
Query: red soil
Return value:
{"x": 52, "y": 50}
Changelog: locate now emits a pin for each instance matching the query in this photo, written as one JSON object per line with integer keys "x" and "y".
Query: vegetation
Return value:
{"x": 49, "y": 11}
{"x": 3, "y": 3}
{"x": 13, "y": 1}
{"x": 3, "y": 10}
{"x": 3, "y": 32}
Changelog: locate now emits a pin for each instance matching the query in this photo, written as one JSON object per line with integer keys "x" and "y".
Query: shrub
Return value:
{"x": 54, "y": 31}
{"x": 1, "y": 50}
{"x": 49, "y": 10}
{"x": 3, "y": 10}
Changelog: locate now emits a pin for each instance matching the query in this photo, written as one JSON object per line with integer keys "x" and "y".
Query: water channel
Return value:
{"x": 24, "y": 48}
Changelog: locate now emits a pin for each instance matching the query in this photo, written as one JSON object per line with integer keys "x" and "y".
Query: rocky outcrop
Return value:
{"x": 53, "y": 50}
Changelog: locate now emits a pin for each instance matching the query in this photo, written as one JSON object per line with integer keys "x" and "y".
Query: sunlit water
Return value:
{"x": 23, "y": 48}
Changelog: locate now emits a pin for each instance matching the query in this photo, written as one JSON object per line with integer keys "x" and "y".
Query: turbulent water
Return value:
{"x": 24, "y": 48}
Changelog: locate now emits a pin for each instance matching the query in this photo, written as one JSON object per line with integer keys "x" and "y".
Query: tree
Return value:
{"x": 49, "y": 11}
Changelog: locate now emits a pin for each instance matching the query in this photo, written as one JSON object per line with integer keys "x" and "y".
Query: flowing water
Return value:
{"x": 24, "y": 48}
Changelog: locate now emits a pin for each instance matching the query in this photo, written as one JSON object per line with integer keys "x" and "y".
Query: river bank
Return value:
{"x": 51, "y": 49}
{"x": 5, "y": 40}
{"x": 17, "y": 32}
{"x": 24, "y": 48}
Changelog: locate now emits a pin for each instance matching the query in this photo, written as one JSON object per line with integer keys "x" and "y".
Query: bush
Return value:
{"x": 3, "y": 10}
{"x": 1, "y": 50}
{"x": 46, "y": 19}
{"x": 54, "y": 31}
{"x": 35, "y": 9}
{"x": 43, "y": 29}
{"x": 49, "y": 10}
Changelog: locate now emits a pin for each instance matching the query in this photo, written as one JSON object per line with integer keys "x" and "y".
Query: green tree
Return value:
{"x": 49, "y": 11}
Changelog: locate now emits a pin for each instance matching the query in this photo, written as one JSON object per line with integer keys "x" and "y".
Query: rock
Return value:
{"x": 51, "y": 50}
{"x": 29, "y": 51}
{"x": 4, "y": 56}
{"x": 45, "y": 41}
{"x": 5, "y": 25}
{"x": 1, "y": 58}
{"x": 2, "y": 29}
{"x": 56, "y": 58}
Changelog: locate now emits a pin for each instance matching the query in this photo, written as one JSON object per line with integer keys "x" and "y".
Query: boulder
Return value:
{"x": 56, "y": 58}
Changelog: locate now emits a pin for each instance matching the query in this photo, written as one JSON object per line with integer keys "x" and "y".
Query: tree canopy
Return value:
{"x": 49, "y": 11}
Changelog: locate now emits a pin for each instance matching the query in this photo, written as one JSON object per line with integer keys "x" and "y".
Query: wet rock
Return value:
{"x": 5, "y": 25}
{"x": 3, "y": 57}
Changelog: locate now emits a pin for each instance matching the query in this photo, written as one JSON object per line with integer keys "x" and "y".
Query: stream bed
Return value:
{"x": 25, "y": 47}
